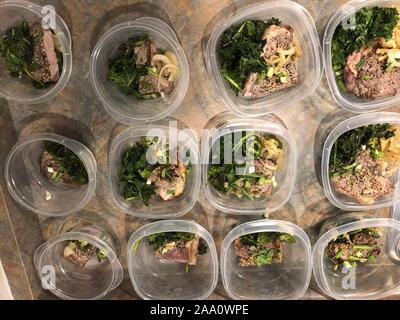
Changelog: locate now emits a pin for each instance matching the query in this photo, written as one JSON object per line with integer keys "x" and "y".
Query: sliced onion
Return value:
{"x": 172, "y": 57}
{"x": 160, "y": 57}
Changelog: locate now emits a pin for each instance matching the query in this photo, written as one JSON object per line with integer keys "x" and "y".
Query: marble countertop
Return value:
{"x": 77, "y": 113}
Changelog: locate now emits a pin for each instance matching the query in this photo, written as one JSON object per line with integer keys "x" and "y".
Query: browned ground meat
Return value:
{"x": 371, "y": 80}
{"x": 368, "y": 183}
{"x": 248, "y": 254}
{"x": 182, "y": 252}
{"x": 49, "y": 165}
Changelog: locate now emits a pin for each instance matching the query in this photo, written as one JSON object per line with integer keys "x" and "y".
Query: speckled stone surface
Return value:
{"x": 77, "y": 113}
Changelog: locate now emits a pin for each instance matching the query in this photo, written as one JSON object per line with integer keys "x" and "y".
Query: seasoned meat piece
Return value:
{"x": 267, "y": 167}
{"x": 151, "y": 84}
{"x": 277, "y": 37}
{"x": 52, "y": 170}
{"x": 154, "y": 51}
{"x": 44, "y": 55}
{"x": 78, "y": 255}
{"x": 142, "y": 54}
{"x": 367, "y": 184}
{"x": 365, "y": 75}
{"x": 180, "y": 252}
{"x": 169, "y": 181}
{"x": 248, "y": 254}
{"x": 261, "y": 190}
{"x": 255, "y": 89}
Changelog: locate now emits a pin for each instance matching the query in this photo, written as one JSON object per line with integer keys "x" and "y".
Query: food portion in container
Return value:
{"x": 366, "y": 52}
{"x": 140, "y": 179}
{"x": 251, "y": 171}
{"x": 263, "y": 248}
{"x": 363, "y": 160}
{"x": 141, "y": 69}
{"x": 32, "y": 52}
{"x": 258, "y": 58}
{"x": 176, "y": 247}
{"x": 80, "y": 252}
{"x": 59, "y": 164}
{"x": 353, "y": 248}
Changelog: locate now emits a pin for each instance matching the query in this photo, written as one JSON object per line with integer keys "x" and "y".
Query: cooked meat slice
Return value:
{"x": 181, "y": 252}
{"x": 142, "y": 54}
{"x": 151, "y": 84}
{"x": 368, "y": 184}
{"x": 248, "y": 254}
{"x": 78, "y": 255}
{"x": 169, "y": 181}
{"x": 261, "y": 190}
{"x": 255, "y": 89}
{"x": 53, "y": 171}
{"x": 277, "y": 37}
{"x": 44, "y": 56}
{"x": 366, "y": 76}
{"x": 267, "y": 167}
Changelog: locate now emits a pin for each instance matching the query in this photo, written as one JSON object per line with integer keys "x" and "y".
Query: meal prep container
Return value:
{"x": 288, "y": 280}
{"x": 127, "y": 109}
{"x": 340, "y": 200}
{"x": 349, "y": 101}
{"x": 285, "y": 177}
{"x": 66, "y": 279}
{"x": 309, "y": 65}
{"x": 158, "y": 209}
{"x": 31, "y": 189}
{"x": 154, "y": 279}
{"x": 20, "y": 90}
{"x": 370, "y": 280}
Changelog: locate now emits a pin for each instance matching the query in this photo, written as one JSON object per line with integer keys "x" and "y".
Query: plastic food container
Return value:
{"x": 340, "y": 200}
{"x": 350, "y": 101}
{"x": 158, "y": 209}
{"x": 127, "y": 109}
{"x": 153, "y": 279}
{"x": 288, "y": 280}
{"x": 67, "y": 280}
{"x": 31, "y": 189}
{"x": 369, "y": 280}
{"x": 285, "y": 177}
{"x": 309, "y": 65}
{"x": 19, "y": 90}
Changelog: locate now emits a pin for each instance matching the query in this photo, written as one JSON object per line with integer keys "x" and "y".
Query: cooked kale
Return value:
{"x": 69, "y": 162}
{"x": 349, "y": 144}
{"x": 240, "y": 51}
{"x": 370, "y": 24}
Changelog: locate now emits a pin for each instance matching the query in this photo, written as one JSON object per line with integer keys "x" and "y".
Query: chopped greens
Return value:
{"x": 240, "y": 52}
{"x": 159, "y": 240}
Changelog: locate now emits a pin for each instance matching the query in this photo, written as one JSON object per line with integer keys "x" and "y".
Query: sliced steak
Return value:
{"x": 367, "y": 184}
{"x": 181, "y": 252}
{"x": 171, "y": 184}
{"x": 77, "y": 255}
{"x": 142, "y": 54}
{"x": 150, "y": 84}
{"x": 277, "y": 37}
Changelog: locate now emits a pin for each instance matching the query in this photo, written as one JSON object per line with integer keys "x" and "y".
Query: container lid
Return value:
{"x": 157, "y": 280}
{"x": 288, "y": 280}
{"x": 342, "y": 201}
{"x": 33, "y": 190}
{"x": 66, "y": 279}
{"x": 368, "y": 280}
{"x": 285, "y": 176}
{"x": 309, "y": 65}
{"x": 349, "y": 101}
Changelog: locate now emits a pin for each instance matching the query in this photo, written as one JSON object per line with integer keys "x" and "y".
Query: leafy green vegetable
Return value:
{"x": 124, "y": 74}
{"x": 225, "y": 178}
{"x": 240, "y": 51}
{"x": 370, "y": 24}
{"x": 349, "y": 144}
{"x": 69, "y": 162}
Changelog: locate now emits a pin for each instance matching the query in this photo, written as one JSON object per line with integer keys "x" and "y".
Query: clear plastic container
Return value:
{"x": 288, "y": 280}
{"x": 285, "y": 177}
{"x": 158, "y": 208}
{"x": 369, "y": 280}
{"x": 158, "y": 280}
{"x": 127, "y": 109}
{"x": 349, "y": 101}
{"x": 309, "y": 65}
{"x": 66, "y": 279}
{"x": 31, "y": 189}
{"x": 20, "y": 90}
{"x": 340, "y": 200}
